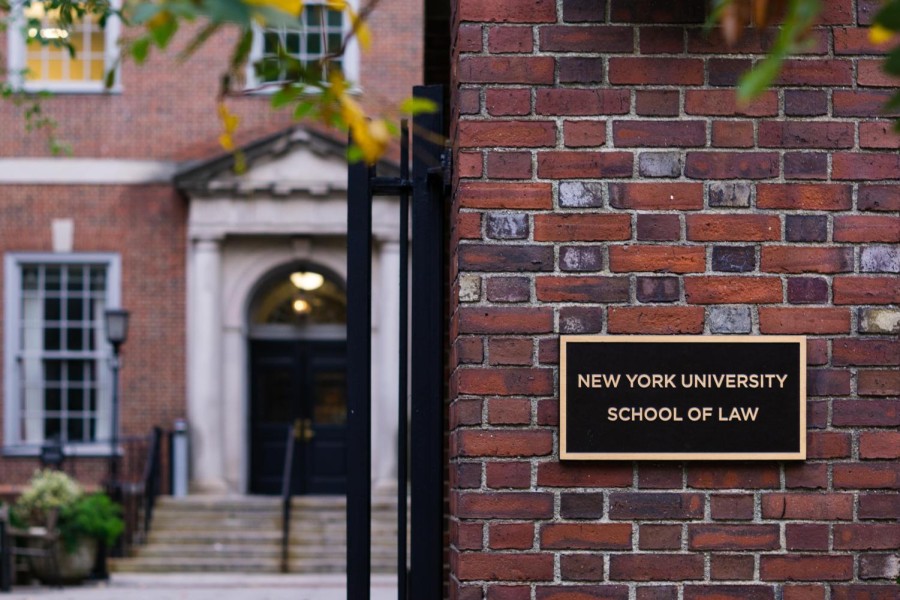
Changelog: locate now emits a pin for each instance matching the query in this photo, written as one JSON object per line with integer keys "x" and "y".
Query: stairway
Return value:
{"x": 243, "y": 534}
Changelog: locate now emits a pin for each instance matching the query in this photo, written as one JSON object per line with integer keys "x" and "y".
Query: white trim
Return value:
{"x": 12, "y": 265}
{"x": 15, "y": 42}
{"x": 94, "y": 171}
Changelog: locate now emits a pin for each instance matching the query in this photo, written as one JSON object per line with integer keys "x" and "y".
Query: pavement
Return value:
{"x": 207, "y": 586}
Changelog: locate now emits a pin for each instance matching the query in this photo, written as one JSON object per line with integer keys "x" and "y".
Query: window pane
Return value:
{"x": 52, "y": 338}
{"x": 52, "y": 309}
{"x": 52, "y": 278}
{"x": 52, "y": 427}
{"x": 98, "y": 279}
{"x": 52, "y": 399}
{"x": 335, "y": 19}
{"x": 75, "y": 430}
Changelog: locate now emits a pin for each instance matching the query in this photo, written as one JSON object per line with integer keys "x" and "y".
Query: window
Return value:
{"x": 321, "y": 32}
{"x": 39, "y": 58}
{"x": 57, "y": 378}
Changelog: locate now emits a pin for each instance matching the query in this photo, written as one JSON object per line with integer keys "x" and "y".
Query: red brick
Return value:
{"x": 581, "y": 567}
{"x": 469, "y": 350}
{"x": 659, "y": 537}
{"x": 661, "y": 40}
{"x": 507, "y": 165}
{"x": 659, "y": 134}
{"x": 855, "y": 40}
{"x": 801, "y": 134}
{"x": 505, "y": 320}
{"x": 878, "y": 135}
{"x": 732, "y": 507}
{"x": 477, "y": 566}
{"x": 507, "y": 102}
{"x": 868, "y": 475}
{"x": 863, "y": 592}
{"x": 816, "y": 352}
{"x": 859, "y": 103}
{"x": 879, "y": 506}
{"x": 733, "y": 537}
{"x": 659, "y": 476}
{"x": 865, "y": 166}
{"x": 866, "y": 537}
{"x": 581, "y": 228}
{"x": 729, "y": 568}
{"x": 469, "y": 165}
{"x": 510, "y": 39}
{"x": 584, "y": 134}
{"x": 804, "y": 320}
{"x": 656, "y": 196}
{"x": 866, "y": 290}
{"x": 865, "y": 352}
{"x": 504, "y": 442}
{"x": 828, "y": 382}
{"x": 514, "y": 196}
{"x": 586, "y": 38}
{"x": 466, "y": 536}
{"x": 467, "y": 226}
{"x": 507, "y": 11}
{"x": 507, "y": 475}
{"x": 878, "y": 383}
{"x": 586, "y": 536}
{"x": 731, "y": 165}
{"x": 655, "y": 506}
{"x": 582, "y": 592}
{"x": 582, "y": 289}
{"x": 867, "y": 228}
{"x": 468, "y": 38}
{"x": 658, "y": 227}
{"x": 656, "y": 103}
{"x": 806, "y": 475}
{"x": 506, "y": 382}
{"x": 570, "y": 101}
{"x": 503, "y": 257}
{"x": 806, "y": 536}
{"x": 799, "y": 259}
{"x": 804, "y": 196}
{"x": 655, "y": 567}
{"x": 732, "y": 477}
{"x": 866, "y": 413}
{"x": 651, "y": 11}
{"x": 732, "y": 290}
{"x": 511, "y": 536}
{"x": 504, "y": 505}
{"x": 828, "y": 444}
{"x": 555, "y": 474}
{"x": 804, "y": 592}
{"x": 798, "y": 567}
{"x": 879, "y": 444}
{"x": 805, "y": 507}
{"x": 733, "y": 228}
{"x": 871, "y": 73}
{"x": 496, "y": 69}
{"x": 655, "y": 71}
{"x": 732, "y": 134}
{"x": 723, "y": 103}
{"x": 665, "y": 259}
{"x": 510, "y": 134}
{"x": 567, "y": 165}
{"x": 816, "y": 72}
{"x": 656, "y": 319}
{"x": 509, "y": 351}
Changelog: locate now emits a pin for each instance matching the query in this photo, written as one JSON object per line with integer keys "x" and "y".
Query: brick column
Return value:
{"x": 608, "y": 182}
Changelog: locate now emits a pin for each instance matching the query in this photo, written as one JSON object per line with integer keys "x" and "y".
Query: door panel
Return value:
{"x": 298, "y": 386}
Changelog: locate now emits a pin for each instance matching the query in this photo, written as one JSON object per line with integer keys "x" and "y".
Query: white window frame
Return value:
{"x": 350, "y": 59}
{"x": 14, "y": 262}
{"x": 16, "y": 63}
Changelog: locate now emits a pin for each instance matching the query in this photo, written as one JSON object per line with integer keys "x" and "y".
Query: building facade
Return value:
{"x": 608, "y": 183}
{"x": 148, "y": 215}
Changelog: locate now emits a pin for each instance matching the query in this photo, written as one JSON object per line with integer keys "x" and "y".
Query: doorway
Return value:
{"x": 298, "y": 383}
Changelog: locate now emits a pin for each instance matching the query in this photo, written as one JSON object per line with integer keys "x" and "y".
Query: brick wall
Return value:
{"x": 607, "y": 182}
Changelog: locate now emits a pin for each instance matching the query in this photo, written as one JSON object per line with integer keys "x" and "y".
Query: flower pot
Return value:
{"x": 60, "y": 566}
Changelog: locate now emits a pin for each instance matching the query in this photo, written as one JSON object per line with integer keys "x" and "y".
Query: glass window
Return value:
{"x": 44, "y": 55}
{"x": 59, "y": 378}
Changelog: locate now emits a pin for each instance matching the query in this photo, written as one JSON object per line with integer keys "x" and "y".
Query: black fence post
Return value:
{"x": 6, "y": 569}
{"x": 427, "y": 385}
{"x": 359, "y": 381}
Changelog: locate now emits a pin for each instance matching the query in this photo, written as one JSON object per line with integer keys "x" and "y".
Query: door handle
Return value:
{"x": 308, "y": 431}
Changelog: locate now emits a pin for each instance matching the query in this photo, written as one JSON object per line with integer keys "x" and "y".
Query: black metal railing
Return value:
{"x": 140, "y": 485}
{"x": 287, "y": 492}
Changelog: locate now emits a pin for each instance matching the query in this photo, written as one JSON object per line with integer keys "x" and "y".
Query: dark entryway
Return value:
{"x": 299, "y": 385}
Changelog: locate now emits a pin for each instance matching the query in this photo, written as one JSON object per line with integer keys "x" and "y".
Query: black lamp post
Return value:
{"x": 116, "y": 321}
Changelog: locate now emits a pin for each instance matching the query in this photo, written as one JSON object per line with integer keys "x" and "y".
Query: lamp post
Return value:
{"x": 116, "y": 321}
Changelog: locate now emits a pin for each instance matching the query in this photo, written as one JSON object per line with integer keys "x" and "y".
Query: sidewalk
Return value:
{"x": 206, "y": 586}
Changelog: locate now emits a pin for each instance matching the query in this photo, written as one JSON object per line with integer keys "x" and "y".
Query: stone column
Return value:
{"x": 205, "y": 367}
{"x": 385, "y": 350}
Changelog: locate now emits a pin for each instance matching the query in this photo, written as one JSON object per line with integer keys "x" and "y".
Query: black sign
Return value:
{"x": 683, "y": 397}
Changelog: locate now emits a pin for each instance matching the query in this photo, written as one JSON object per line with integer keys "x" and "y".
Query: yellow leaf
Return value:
{"x": 226, "y": 141}
{"x": 291, "y": 7}
{"x": 879, "y": 34}
{"x": 372, "y": 138}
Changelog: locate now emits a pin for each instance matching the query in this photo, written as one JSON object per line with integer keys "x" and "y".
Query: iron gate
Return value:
{"x": 424, "y": 389}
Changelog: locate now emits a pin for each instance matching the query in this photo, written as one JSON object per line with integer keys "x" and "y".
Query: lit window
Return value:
{"x": 321, "y": 33}
{"x": 40, "y": 56}
{"x": 57, "y": 378}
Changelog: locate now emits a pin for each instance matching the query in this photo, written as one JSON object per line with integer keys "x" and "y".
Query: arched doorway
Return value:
{"x": 298, "y": 380}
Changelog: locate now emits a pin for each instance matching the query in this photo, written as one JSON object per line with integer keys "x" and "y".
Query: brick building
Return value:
{"x": 147, "y": 215}
{"x": 607, "y": 182}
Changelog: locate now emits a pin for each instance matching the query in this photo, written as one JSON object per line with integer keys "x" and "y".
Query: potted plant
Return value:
{"x": 65, "y": 525}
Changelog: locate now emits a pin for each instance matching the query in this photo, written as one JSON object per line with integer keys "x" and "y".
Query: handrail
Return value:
{"x": 287, "y": 485}
{"x": 151, "y": 477}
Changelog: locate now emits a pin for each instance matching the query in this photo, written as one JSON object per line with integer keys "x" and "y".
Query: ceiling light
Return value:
{"x": 307, "y": 280}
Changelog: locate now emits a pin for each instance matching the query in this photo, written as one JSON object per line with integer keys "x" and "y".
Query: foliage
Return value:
{"x": 796, "y": 19}
{"x": 78, "y": 514}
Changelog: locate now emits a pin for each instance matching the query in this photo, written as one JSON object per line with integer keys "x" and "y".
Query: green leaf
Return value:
{"x": 144, "y": 11}
{"x": 163, "y": 33}
{"x": 757, "y": 80}
{"x": 889, "y": 15}
{"x": 354, "y": 154}
{"x": 415, "y": 106}
{"x": 242, "y": 49}
{"x": 283, "y": 97}
{"x": 304, "y": 109}
{"x": 110, "y": 79}
{"x": 140, "y": 48}
{"x": 199, "y": 40}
